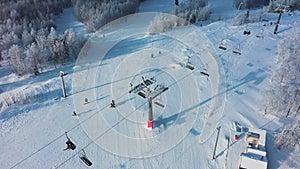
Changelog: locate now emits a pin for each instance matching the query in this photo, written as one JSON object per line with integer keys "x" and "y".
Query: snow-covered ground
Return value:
{"x": 32, "y": 135}
{"x": 67, "y": 20}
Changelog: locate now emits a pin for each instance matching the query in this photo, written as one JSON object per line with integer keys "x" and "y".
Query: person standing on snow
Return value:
{"x": 130, "y": 88}
{"x": 75, "y": 114}
{"x": 112, "y": 104}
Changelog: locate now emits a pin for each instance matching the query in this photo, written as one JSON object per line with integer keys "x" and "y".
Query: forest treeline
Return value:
{"x": 29, "y": 43}
{"x": 96, "y": 13}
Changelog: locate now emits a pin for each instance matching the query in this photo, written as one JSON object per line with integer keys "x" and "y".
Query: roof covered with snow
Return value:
{"x": 253, "y": 161}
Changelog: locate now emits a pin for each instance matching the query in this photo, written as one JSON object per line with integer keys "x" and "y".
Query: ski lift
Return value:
{"x": 204, "y": 72}
{"x": 260, "y": 34}
{"x": 84, "y": 159}
{"x": 189, "y": 65}
{"x": 237, "y": 50}
{"x": 223, "y": 45}
{"x": 70, "y": 144}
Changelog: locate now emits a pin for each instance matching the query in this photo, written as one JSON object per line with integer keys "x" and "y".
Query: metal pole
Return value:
{"x": 278, "y": 21}
{"x": 218, "y": 128}
{"x": 228, "y": 143}
{"x": 150, "y": 113}
{"x": 63, "y": 84}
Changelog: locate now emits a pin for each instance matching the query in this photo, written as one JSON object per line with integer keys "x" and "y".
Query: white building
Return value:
{"x": 255, "y": 154}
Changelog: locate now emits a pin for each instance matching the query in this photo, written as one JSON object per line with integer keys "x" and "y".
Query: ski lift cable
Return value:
{"x": 227, "y": 36}
{"x": 79, "y": 124}
{"x": 106, "y": 131}
{"x": 72, "y": 128}
{"x": 85, "y": 120}
{"x": 102, "y": 134}
{"x": 38, "y": 150}
{"x": 235, "y": 32}
{"x": 193, "y": 145}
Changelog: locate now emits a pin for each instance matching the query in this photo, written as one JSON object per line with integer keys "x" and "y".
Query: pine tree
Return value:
{"x": 16, "y": 60}
{"x": 26, "y": 38}
{"x": 32, "y": 54}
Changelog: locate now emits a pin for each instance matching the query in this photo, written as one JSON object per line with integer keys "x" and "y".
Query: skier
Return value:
{"x": 75, "y": 114}
{"x": 130, "y": 88}
{"x": 86, "y": 101}
{"x": 112, "y": 104}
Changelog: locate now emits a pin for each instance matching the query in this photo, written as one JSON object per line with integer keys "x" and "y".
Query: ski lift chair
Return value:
{"x": 189, "y": 65}
{"x": 84, "y": 159}
{"x": 237, "y": 50}
{"x": 247, "y": 31}
{"x": 70, "y": 144}
{"x": 204, "y": 72}
{"x": 223, "y": 45}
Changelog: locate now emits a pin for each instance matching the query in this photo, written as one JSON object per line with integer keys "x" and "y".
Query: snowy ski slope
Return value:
{"x": 32, "y": 136}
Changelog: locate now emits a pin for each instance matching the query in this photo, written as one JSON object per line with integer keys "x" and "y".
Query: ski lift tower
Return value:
{"x": 150, "y": 112}
{"x": 149, "y": 89}
{"x": 62, "y": 74}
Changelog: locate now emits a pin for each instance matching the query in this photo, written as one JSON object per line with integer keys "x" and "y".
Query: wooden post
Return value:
{"x": 218, "y": 128}
{"x": 228, "y": 144}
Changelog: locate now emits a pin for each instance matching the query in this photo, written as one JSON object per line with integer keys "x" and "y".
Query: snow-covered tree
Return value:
{"x": 52, "y": 35}
{"x": 249, "y": 4}
{"x": 97, "y": 13}
{"x": 70, "y": 40}
{"x": 162, "y": 23}
{"x": 26, "y": 38}
{"x": 284, "y": 5}
{"x": 32, "y": 54}
{"x": 241, "y": 19}
{"x": 283, "y": 95}
{"x": 17, "y": 60}
{"x": 289, "y": 137}
{"x": 204, "y": 13}
{"x": 193, "y": 8}
{"x": 24, "y": 22}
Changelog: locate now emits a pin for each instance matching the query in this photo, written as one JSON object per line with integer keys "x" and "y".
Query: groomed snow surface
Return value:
{"x": 33, "y": 134}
